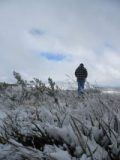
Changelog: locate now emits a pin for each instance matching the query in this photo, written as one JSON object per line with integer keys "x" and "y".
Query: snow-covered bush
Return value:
{"x": 70, "y": 128}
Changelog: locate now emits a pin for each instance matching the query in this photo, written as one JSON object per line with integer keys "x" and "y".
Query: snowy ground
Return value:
{"x": 59, "y": 127}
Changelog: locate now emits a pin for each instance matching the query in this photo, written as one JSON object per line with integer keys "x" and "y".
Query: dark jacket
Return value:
{"x": 81, "y": 73}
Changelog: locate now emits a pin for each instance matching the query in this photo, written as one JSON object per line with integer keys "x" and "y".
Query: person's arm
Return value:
{"x": 76, "y": 72}
{"x": 86, "y": 73}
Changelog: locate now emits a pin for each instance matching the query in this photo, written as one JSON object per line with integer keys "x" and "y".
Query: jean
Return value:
{"x": 81, "y": 84}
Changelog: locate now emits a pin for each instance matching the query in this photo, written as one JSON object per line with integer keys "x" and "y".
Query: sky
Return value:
{"x": 50, "y": 38}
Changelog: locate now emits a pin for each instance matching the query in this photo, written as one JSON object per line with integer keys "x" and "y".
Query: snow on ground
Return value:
{"x": 59, "y": 127}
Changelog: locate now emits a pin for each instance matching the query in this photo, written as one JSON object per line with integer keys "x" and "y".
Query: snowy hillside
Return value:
{"x": 46, "y": 123}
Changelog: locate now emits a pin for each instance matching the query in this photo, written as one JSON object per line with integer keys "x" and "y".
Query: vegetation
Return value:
{"x": 84, "y": 128}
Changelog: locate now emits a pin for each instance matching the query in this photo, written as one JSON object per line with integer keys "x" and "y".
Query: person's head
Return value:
{"x": 81, "y": 65}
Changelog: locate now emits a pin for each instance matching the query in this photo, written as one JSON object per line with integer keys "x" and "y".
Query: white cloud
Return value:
{"x": 79, "y": 29}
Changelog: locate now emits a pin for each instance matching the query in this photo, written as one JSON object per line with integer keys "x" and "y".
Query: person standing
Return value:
{"x": 81, "y": 75}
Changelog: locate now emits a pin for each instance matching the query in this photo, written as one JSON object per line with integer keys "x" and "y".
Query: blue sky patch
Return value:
{"x": 37, "y": 32}
{"x": 53, "y": 56}
{"x": 109, "y": 46}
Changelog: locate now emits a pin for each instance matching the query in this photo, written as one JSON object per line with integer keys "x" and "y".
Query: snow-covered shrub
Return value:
{"x": 38, "y": 90}
{"x": 3, "y": 86}
{"x": 23, "y": 84}
{"x": 69, "y": 128}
